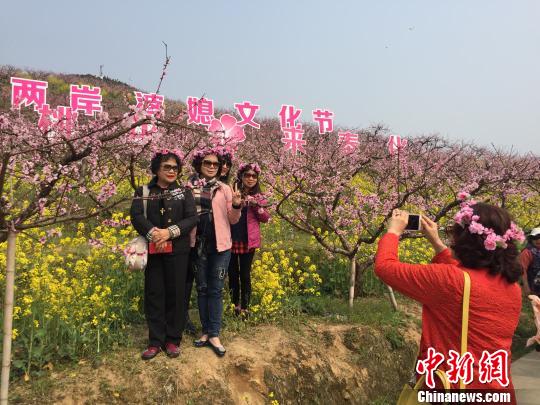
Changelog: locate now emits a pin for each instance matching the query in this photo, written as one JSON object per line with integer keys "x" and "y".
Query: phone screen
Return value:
{"x": 414, "y": 223}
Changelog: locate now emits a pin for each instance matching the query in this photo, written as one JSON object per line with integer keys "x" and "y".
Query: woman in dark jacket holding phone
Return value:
{"x": 170, "y": 216}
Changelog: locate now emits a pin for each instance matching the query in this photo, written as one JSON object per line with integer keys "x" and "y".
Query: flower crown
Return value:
{"x": 176, "y": 152}
{"x": 492, "y": 241}
{"x": 215, "y": 150}
{"x": 247, "y": 166}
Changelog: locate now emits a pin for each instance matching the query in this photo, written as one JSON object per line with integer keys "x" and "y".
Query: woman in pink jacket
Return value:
{"x": 246, "y": 235}
{"x": 217, "y": 207}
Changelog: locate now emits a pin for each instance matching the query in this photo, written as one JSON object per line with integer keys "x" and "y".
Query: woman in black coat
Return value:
{"x": 170, "y": 215}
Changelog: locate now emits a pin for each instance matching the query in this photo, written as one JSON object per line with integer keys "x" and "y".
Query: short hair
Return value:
{"x": 198, "y": 159}
{"x": 163, "y": 157}
{"x": 469, "y": 248}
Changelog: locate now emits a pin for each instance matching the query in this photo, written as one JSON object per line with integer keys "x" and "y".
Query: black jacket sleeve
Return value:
{"x": 191, "y": 218}
{"x": 139, "y": 222}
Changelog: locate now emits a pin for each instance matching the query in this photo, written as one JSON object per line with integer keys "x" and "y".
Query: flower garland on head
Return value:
{"x": 176, "y": 152}
{"x": 466, "y": 217}
{"x": 219, "y": 151}
{"x": 246, "y": 166}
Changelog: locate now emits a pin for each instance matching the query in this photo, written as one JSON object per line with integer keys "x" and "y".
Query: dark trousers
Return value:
{"x": 190, "y": 277}
{"x": 164, "y": 288}
{"x": 240, "y": 278}
{"x": 210, "y": 271}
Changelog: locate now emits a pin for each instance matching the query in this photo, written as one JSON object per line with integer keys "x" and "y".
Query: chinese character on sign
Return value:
{"x": 429, "y": 365}
{"x": 28, "y": 92}
{"x": 152, "y": 103}
{"x": 288, "y": 114}
{"x": 494, "y": 366}
{"x": 61, "y": 118}
{"x": 348, "y": 141}
{"x": 460, "y": 368}
{"x": 292, "y": 131}
{"x": 396, "y": 144}
{"x": 325, "y": 119}
{"x": 200, "y": 111}
{"x": 247, "y": 112}
{"x": 292, "y": 138}
{"x": 86, "y": 99}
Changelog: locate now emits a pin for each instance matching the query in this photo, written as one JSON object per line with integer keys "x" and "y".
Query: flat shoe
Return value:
{"x": 218, "y": 350}
{"x": 200, "y": 343}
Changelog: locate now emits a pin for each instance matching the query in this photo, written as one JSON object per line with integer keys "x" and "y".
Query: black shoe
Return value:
{"x": 200, "y": 343}
{"x": 218, "y": 350}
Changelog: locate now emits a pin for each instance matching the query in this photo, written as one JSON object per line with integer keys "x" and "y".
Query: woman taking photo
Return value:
{"x": 246, "y": 236}
{"x": 218, "y": 207}
{"x": 482, "y": 245}
{"x": 170, "y": 216}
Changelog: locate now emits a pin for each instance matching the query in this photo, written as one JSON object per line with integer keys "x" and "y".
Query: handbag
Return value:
{"x": 136, "y": 251}
{"x": 409, "y": 394}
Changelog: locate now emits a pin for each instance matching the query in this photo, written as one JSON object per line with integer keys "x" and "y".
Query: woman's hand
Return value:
{"x": 398, "y": 222}
{"x": 237, "y": 197}
{"x": 431, "y": 233}
{"x": 160, "y": 236}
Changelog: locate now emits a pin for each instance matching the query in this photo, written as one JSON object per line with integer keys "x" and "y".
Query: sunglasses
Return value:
{"x": 169, "y": 168}
{"x": 250, "y": 175}
{"x": 535, "y": 237}
{"x": 210, "y": 163}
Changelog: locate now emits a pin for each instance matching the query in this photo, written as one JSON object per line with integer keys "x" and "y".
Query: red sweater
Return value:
{"x": 494, "y": 308}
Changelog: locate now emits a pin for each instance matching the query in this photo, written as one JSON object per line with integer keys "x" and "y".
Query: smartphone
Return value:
{"x": 414, "y": 223}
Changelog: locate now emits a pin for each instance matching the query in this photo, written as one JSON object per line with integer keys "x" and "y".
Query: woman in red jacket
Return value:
{"x": 482, "y": 243}
{"x": 246, "y": 235}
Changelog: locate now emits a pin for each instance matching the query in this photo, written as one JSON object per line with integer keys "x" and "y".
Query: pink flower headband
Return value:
{"x": 492, "y": 241}
{"x": 246, "y": 166}
{"x": 176, "y": 152}
{"x": 216, "y": 150}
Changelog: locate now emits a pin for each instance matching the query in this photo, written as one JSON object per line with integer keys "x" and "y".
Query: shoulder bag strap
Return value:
{"x": 465, "y": 318}
{"x": 145, "y": 193}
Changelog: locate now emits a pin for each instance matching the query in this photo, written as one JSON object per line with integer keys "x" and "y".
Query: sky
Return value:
{"x": 467, "y": 70}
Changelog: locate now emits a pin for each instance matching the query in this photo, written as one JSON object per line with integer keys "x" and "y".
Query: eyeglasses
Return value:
{"x": 250, "y": 175}
{"x": 210, "y": 163}
{"x": 169, "y": 168}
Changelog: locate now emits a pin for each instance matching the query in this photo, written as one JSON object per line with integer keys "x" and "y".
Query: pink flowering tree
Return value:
{"x": 59, "y": 174}
{"x": 351, "y": 192}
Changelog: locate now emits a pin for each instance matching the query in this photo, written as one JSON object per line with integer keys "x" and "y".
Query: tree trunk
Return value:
{"x": 392, "y": 297}
{"x": 352, "y": 281}
{"x": 8, "y": 316}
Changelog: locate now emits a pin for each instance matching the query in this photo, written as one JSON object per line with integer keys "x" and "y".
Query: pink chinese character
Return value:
{"x": 429, "y": 365}
{"x": 85, "y": 98}
{"x": 348, "y": 141}
{"x": 292, "y": 138}
{"x": 47, "y": 117}
{"x": 461, "y": 368}
{"x": 60, "y": 118}
{"x": 325, "y": 120}
{"x": 152, "y": 103}
{"x": 200, "y": 111}
{"x": 494, "y": 367}
{"x": 396, "y": 144}
{"x": 288, "y": 116}
{"x": 247, "y": 117}
{"x": 143, "y": 130}
{"x": 28, "y": 92}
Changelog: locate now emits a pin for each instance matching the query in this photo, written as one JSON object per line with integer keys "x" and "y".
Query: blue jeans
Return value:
{"x": 210, "y": 271}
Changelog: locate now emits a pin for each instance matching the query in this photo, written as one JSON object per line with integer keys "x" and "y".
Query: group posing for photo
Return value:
{"x": 207, "y": 230}
{"x": 197, "y": 233}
